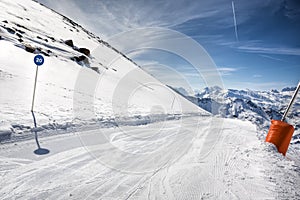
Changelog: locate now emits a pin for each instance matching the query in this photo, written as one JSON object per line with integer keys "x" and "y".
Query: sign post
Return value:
{"x": 38, "y": 60}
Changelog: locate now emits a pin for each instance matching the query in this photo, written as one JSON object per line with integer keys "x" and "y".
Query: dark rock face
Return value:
{"x": 52, "y": 38}
{"x": 45, "y": 53}
{"x": 85, "y": 51}
{"x": 29, "y": 48}
{"x": 79, "y": 58}
{"x": 19, "y": 35}
{"x": 20, "y": 31}
{"x": 11, "y": 31}
{"x": 69, "y": 43}
{"x": 96, "y": 69}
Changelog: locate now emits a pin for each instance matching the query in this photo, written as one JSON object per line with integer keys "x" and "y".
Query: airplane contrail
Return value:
{"x": 234, "y": 21}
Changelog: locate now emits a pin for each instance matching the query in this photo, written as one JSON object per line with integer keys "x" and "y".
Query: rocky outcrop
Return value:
{"x": 96, "y": 69}
{"x": 10, "y": 30}
{"x": 69, "y": 43}
{"x": 79, "y": 58}
{"x": 85, "y": 51}
{"x": 29, "y": 48}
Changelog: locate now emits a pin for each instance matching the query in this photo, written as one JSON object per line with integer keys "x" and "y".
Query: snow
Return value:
{"x": 115, "y": 132}
{"x": 170, "y": 160}
{"x": 69, "y": 93}
{"x": 259, "y": 107}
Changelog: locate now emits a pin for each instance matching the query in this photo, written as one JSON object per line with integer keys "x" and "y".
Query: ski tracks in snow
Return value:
{"x": 219, "y": 165}
{"x": 224, "y": 160}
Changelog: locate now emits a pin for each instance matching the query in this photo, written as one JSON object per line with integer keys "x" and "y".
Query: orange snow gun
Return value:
{"x": 280, "y": 132}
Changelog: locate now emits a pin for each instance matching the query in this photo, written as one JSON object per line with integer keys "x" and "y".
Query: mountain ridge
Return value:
{"x": 258, "y": 107}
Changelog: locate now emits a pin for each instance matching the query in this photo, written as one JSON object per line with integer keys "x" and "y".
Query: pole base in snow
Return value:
{"x": 280, "y": 134}
{"x": 41, "y": 151}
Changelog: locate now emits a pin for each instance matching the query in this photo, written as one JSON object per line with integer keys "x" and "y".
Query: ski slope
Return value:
{"x": 173, "y": 161}
{"x": 105, "y": 86}
{"x": 114, "y": 131}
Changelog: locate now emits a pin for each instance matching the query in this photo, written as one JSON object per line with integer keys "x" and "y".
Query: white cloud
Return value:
{"x": 272, "y": 58}
{"x": 107, "y": 18}
{"x": 259, "y": 86}
{"x": 226, "y": 71}
{"x": 271, "y": 50}
{"x": 114, "y": 16}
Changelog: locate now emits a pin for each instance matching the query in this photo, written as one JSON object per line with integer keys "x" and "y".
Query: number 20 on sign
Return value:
{"x": 38, "y": 60}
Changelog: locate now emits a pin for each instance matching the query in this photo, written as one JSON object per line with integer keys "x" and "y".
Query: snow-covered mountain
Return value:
{"x": 259, "y": 107}
{"x": 90, "y": 90}
{"x": 83, "y": 80}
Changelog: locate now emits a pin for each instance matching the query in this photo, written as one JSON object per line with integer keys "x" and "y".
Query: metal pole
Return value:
{"x": 35, "y": 132}
{"x": 36, "y": 73}
{"x": 291, "y": 102}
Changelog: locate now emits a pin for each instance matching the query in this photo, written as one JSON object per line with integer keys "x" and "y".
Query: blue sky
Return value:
{"x": 265, "y": 55}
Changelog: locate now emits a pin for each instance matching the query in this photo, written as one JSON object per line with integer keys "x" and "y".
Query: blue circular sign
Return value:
{"x": 38, "y": 60}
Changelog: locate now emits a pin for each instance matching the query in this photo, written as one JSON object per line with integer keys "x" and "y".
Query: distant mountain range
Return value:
{"x": 259, "y": 107}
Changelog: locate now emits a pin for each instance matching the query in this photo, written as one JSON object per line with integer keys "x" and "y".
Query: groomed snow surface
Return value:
{"x": 192, "y": 158}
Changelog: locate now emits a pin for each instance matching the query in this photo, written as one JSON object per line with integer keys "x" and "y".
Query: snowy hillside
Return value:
{"x": 258, "y": 107}
{"x": 83, "y": 80}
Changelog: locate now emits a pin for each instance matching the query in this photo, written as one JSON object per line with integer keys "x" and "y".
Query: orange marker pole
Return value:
{"x": 280, "y": 132}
